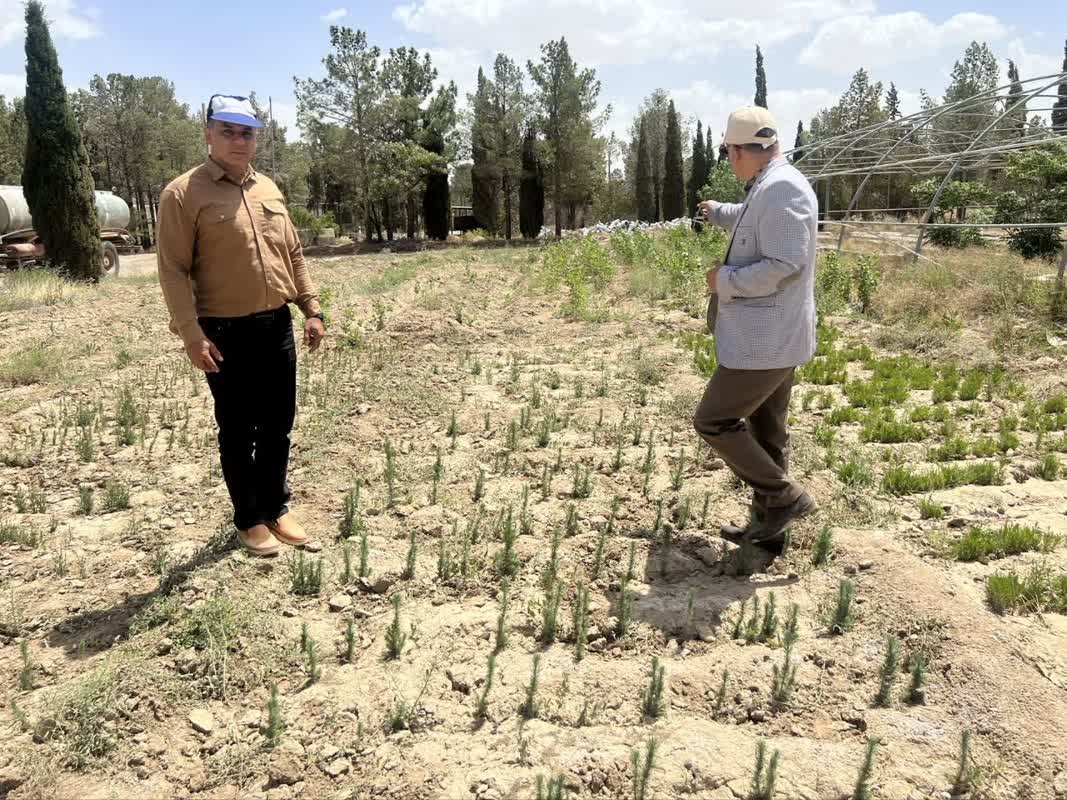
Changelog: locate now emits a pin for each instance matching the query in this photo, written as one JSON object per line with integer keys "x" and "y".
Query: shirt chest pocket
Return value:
{"x": 744, "y": 243}
{"x": 219, "y": 227}
{"x": 274, "y": 219}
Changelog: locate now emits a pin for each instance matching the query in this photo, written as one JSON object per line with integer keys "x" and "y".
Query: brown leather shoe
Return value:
{"x": 259, "y": 541}
{"x": 287, "y": 529}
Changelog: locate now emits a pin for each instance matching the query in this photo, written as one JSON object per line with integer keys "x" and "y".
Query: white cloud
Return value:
{"x": 285, "y": 116}
{"x": 12, "y": 85}
{"x": 459, "y": 65}
{"x": 894, "y": 39}
{"x": 335, "y": 15}
{"x": 619, "y": 31}
{"x": 1031, "y": 65}
{"x": 64, "y": 19}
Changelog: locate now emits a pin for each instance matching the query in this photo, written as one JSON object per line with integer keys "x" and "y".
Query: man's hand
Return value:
{"x": 203, "y": 354}
{"x": 705, "y": 209}
{"x": 314, "y": 330}
{"x": 711, "y": 280}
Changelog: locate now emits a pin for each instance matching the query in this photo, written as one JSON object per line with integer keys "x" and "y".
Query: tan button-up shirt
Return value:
{"x": 227, "y": 250}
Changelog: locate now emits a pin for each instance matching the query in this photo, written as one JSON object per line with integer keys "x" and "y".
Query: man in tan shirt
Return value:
{"x": 229, "y": 265}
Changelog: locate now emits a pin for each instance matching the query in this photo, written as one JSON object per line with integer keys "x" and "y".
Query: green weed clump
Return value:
{"x": 116, "y": 496}
{"x": 884, "y": 427}
{"x": 582, "y": 266}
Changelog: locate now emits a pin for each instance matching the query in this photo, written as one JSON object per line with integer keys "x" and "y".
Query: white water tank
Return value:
{"x": 111, "y": 210}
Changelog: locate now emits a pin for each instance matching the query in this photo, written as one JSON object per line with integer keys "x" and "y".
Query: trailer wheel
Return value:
{"x": 111, "y": 260}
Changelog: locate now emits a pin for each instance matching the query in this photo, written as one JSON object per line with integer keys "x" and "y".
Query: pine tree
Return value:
{"x": 673, "y": 177}
{"x": 435, "y": 200}
{"x": 799, "y": 142}
{"x": 698, "y": 174}
{"x": 531, "y": 188}
{"x": 643, "y": 183}
{"x": 761, "y": 80}
{"x": 1059, "y": 108}
{"x": 892, "y": 102}
{"x": 485, "y": 183}
{"x": 56, "y": 179}
{"x": 1016, "y": 103}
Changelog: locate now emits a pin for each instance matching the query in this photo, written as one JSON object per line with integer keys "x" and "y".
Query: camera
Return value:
{"x": 698, "y": 222}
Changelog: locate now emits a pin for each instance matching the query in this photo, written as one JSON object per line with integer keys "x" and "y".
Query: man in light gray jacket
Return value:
{"x": 762, "y": 311}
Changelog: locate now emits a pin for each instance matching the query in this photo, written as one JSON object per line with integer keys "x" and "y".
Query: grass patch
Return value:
{"x": 1039, "y": 590}
{"x": 981, "y": 544}
{"x": 883, "y": 427}
{"x": 33, "y": 288}
{"x": 903, "y": 480}
{"x": 74, "y": 718}
{"x": 37, "y": 363}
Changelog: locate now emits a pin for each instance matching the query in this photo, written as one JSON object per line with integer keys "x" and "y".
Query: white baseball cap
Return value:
{"x": 751, "y": 125}
{"x": 233, "y": 109}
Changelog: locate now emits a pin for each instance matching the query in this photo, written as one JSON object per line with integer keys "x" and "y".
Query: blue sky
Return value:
{"x": 702, "y": 55}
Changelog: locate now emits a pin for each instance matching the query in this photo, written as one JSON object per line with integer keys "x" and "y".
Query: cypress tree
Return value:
{"x": 531, "y": 188}
{"x": 1059, "y": 108}
{"x": 711, "y": 155}
{"x": 698, "y": 174}
{"x": 798, "y": 142}
{"x": 1015, "y": 102}
{"x": 435, "y": 200}
{"x": 673, "y": 177}
{"x": 643, "y": 183}
{"x": 56, "y": 179}
{"x": 484, "y": 180}
{"x": 761, "y": 80}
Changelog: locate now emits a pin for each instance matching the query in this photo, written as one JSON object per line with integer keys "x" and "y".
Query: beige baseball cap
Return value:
{"x": 751, "y": 125}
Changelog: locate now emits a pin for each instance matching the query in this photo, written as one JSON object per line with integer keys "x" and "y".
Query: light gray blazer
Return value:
{"x": 766, "y": 288}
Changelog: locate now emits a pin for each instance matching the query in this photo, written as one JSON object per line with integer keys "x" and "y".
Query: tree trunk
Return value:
{"x": 507, "y": 203}
{"x": 556, "y": 206}
{"x": 387, "y": 217}
{"x": 412, "y": 215}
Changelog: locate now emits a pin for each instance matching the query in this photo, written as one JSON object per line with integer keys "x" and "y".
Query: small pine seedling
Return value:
{"x": 704, "y": 510}
{"x": 583, "y": 482}
{"x": 572, "y": 520}
{"x": 863, "y": 781}
{"x": 390, "y": 474}
{"x": 887, "y": 675}
{"x": 544, "y": 433}
{"x": 438, "y": 473}
{"x": 690, "y": 616}
{"x": 917, "y": 686}
{"x": 617, "y": 462}
{"x": 502, "y": 618}
{"x": 395, "y": 638}
{"x": 769, "y": 627}
{"x": 482, "y": 710}
{"x": 792, "y": 627}
{"x": 479, "y": 485}
{"x": 642, "y": 768}
{"x": 26, "y": 673}
{"x": 350, "y": 641}
{"x": 85, "y": 500}
{"x": 844, "y": 615}
{"x": 653, "y": 703}
{"x": 550, "y": 613}
{"x": 765, "y": 774}
{"x": 720, "y": 696}
{"x": 966, "y": 771}
{"x": 351, "y": 516}
{"x": 581, "y": 622}
{"x": 783, "y": 679}
{"x": 305, "y": 575}
{"x": 364, "y": 553}
{"x": 649, "y": 464}
{"x": 598, "y": 558}
{"x": 630, "y": 562}
{"x": 409, "y": 566}
{"x": 546, "y": 482}
{"x": 552, "y": 789}
{"x": 529, "y": 708}
{"x": 507, "y": 560}
{"x": 678, "y": 472}
{"x": 311, "y": 653}
{"x": 275, "y": 723}
{"x": 346, "y": 561}
{"x": 824, "y": 548}
{"x": 626, "y": 610}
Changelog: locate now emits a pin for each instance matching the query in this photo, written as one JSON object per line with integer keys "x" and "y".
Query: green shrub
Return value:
{"x": 581, "y": 265}
{"x": 986, "y": 543}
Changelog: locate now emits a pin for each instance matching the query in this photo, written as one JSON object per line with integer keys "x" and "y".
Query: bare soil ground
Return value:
{"x": 152, "y": 643}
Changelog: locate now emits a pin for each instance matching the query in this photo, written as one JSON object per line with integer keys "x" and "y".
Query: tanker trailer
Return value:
{"x": 21, "y": 246}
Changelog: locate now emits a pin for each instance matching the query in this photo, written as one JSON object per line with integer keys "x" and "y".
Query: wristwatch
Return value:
{"x": 319, "y": 317}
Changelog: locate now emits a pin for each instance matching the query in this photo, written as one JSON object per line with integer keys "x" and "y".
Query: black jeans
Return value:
{"x": 255, "y": 405}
